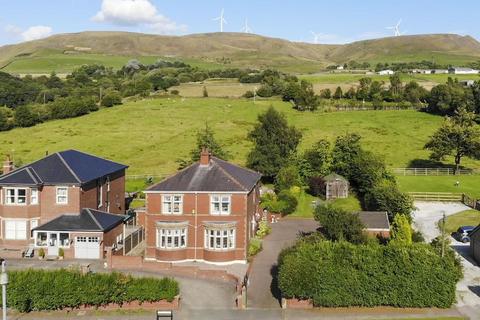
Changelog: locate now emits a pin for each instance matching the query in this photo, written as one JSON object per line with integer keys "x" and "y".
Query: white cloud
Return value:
{"x": 12, "y": 30}
{"x": 36, "y": 32}
{"x": 135, "y": 13}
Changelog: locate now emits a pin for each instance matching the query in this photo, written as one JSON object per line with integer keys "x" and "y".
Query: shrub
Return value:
{"x": 61, "y": 252}
{"x": 385, "y": 196}
{"x": 263, "y": 229}
{"x": 287, "y": 202}
{"x": 338, "y": 224}
{"x": 111, "y": 99}
{"x": 36, "y": 290}
{"x": 249, "y": 94}
{"x": 41, "y": 253}
{"x": 24, "y": 117}
{"x": 286, "y": 178}
{"x": 175, "y": 92}
{"x": 401, "y": 230}
{"x": 254, "y": 247}
{"x": 340, "y": 274}
{"x": 316, "y": 186}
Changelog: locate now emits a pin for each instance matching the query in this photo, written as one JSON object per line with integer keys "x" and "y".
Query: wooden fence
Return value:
{"x": 437, "y": 196}
{"x": 431, "y": 172}
{"x": 133, "y": 239}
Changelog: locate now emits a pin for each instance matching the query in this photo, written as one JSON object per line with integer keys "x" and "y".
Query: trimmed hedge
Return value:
{"x": 340, "y": 274}
{"x": 37, "y": 290}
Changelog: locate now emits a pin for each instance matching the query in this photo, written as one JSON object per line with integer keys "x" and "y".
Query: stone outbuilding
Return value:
{"x": 336, "y": 186}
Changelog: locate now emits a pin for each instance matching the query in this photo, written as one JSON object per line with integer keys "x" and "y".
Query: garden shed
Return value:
{"x": 336, "y": 186}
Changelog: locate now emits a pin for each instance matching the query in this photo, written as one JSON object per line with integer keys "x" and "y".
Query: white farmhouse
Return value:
{"x": 457, "y": 70}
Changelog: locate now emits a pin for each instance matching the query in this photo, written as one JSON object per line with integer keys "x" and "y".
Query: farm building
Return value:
{"x": 456, "y": 70}
{"x": 475, "y": 244}
{"x": 336, "y": 186}
{"x": 376, "y": 223}
{"x": 386, "y": 72}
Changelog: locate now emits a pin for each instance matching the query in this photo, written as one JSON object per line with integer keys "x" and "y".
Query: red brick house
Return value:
{"x": 206, "y": 212}
{"x": 60, "y": 184}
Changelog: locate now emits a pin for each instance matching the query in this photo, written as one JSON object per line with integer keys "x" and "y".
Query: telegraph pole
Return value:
{"x": 443, "y": 234}
{"x": 4, "y": 282}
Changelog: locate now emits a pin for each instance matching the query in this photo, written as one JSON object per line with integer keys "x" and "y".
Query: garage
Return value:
{"x": 87, "y": 247}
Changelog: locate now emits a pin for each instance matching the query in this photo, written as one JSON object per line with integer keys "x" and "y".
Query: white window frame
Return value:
{"x": 221, "y": 200}
{"x": 18, "y": 233}
{"x": 172, "y": 238}
{"x": 169, "y": 202}
{"x": 57, "y": 196}
{"x": 15, "y": 197}
{"x": 34, "y": 196}
{"x": 220, "y": 239}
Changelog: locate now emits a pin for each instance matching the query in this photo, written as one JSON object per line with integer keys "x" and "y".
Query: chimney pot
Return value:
{"x": 205, "y": 157}
{"x": 8, "y": 165}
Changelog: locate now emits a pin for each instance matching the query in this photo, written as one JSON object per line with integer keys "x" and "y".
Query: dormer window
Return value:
{"x": 16, "y": 196}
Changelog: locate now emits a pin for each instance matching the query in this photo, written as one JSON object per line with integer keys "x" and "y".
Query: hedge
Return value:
{"x": 340, "y": 274}
{"x": 37, "y": 290}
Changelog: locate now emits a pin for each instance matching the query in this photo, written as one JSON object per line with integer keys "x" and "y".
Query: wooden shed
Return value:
{"x": 336, "y": 186}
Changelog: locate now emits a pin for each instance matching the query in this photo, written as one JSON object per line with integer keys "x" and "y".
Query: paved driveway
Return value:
{"x": 262, "y": 291}
{"x": 426, "y": 218}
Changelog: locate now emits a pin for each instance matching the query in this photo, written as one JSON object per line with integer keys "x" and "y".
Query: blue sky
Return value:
{"x": 337, "y": 21}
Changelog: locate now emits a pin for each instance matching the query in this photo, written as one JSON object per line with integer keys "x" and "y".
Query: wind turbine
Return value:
{"x": 221, "y": 19}
{"x": 396, "y": 29}
{"x": 316, "y": 37}
{"x": 246, "y": 28}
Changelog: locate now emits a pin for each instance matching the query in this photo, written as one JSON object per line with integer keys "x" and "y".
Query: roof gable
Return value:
{"x": 218, "y": 176}
{"x": 24, "y": 176}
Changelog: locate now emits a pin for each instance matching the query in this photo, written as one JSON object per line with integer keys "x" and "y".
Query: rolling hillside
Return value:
{"x": 64, "y": 52}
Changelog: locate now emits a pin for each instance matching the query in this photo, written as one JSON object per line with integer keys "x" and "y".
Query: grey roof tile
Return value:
{"x": 374, "y": 219}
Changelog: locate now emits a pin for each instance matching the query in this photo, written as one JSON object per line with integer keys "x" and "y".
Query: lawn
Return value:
{"x": 468, "y": 184}
{"x": 306, "y": 203}
{"x": 218, "y": 88}
{"x": 464, "y": 218}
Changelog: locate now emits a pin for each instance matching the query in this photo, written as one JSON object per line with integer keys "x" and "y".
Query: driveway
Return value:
{"x": 262, "y": 291}
{"x": 426, "y": 218}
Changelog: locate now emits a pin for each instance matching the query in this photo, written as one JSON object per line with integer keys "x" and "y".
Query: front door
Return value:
{"x": 52, "y": 244}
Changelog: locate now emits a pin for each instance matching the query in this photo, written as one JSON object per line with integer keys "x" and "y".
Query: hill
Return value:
{"x": 64, "y": 52}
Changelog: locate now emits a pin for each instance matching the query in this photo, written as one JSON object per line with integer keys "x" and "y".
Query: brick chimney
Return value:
{"x": 204, "y": 157}
{"x": 8, "y": 165}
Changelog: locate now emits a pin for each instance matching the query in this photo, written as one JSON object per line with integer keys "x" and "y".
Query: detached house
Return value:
{"x": 208, "y": 212}
{"x": 69, "y": 200}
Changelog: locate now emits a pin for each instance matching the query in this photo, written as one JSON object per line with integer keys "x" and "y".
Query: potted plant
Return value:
{"x": 41, "y": 253}
{"x": 61, "y": 253}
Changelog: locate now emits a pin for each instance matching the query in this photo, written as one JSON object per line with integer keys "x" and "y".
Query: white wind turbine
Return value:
{"x": 221, "y": 20}
{"x": 316, "y": 37}
{"x": 246, "y": 28}
{"x": 396, "y": 29}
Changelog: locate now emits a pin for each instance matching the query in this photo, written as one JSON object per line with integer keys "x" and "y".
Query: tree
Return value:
{"x": 385, "y": 196}
{"x": 303, "y": 96}
{"x": 286, "y": 178}
{"x": 326, "y": 94}
{"x": 206, "y": 140}
{"x": 274, "y": 141}
{"x": 4, "y": 123}
{"x": 338, "y": 224}
{"x": 401, "y": 230}
{"x": 459, "y": 136}
{"x": 319, "y": 157}
{"x": 338, "y": 93}
{"x": 396, "y": 87}
{"x": 24, "y": 117}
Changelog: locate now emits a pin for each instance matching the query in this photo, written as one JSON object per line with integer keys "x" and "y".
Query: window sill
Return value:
{"x": 171, "y": 249}
{"x": 220, "y": 250}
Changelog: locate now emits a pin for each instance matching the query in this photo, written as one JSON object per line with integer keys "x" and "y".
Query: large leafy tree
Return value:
{"x": 459, "y": 136}
{"x": 339, "y": 225}
{"x": 274, "y": 141}
{"x": 206, "y": 140}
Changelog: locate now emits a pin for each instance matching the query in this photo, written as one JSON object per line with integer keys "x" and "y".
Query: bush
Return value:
{"x": 263, "y": 229}
{"x": 36, "y": 290}
{"x": 316, "y": 186}
{"x": 71, "y": 107}
{"x": 175, "y": 92}
{"x": 111, "y": 99}
{"x": 288, "y": 202}
{"x": 286, "y": 178}
{"x": 385, "y": 196}
{"x": 254, "y": 247}
{"x": 24, "y": 117}
{"x": 340, "y": 274}
{"x": 339, "y": 225}
{"x": 248, "y": 94}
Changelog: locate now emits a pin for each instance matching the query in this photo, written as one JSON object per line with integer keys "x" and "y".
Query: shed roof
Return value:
{"x": 374, "y": 219}
{"x": 218, "y": 175}
{"x": 334, "y": 177}
{"x": 87, "y": 220}
{"x": 65, "y": 167}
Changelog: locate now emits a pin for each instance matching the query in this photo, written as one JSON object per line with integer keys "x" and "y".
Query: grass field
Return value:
{"x": 468, "y": 184}
{"x": 464, "y": 218}
{"x": 46, "y": 61}
{"x": 218, "y": 88}
{"x": 150, "y": 135}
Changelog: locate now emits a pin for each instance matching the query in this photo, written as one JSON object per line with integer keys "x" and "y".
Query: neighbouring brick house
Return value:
{"x": 206, "y": 212}
{"x": 61, "y": 184}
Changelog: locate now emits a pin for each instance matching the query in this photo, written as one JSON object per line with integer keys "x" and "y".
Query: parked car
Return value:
{"x": 463, "y": 233}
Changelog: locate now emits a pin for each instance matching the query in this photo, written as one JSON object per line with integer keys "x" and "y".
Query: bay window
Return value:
{"x": 220, "y": 238}
{"x": 16, "y": 196}
{"x": 172, "y": 238}
{"x": 220, "y": 204}
{"x": 172, "y": 204}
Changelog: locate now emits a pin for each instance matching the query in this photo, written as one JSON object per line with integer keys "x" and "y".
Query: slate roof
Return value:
{"x": 374, "y": 219}
{"x": 87, "y": 220}
{"x": 218, "y": 176}
{"x": 65, "y": 167}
